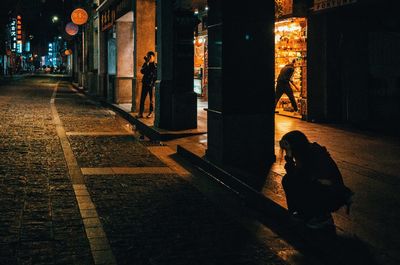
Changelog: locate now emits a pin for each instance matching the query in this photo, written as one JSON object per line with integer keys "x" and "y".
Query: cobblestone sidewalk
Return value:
{"x": 39, "y": 217}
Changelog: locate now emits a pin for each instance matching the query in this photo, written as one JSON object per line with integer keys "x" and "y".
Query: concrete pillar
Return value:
{"x": 111, "y": 64}
{"x": 85, "y": 55}
{"x": 123, "y": 89}
{"x": 316, "y": 65}
{"x": 92, "y": 56}
{"x": 76, "y": 62}
{"x": 144, "y": 41}
{"x": 241, "y": 86}
{"x": 176, "y": 102}
{"x": 102, "y": 67}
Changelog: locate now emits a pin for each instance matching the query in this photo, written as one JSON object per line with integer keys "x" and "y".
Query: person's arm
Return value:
{"x": 144, "y": 68}
{"x": 298, "y": 89}
{"x": 155, "y": 73}
{"x": 290, "y": 165}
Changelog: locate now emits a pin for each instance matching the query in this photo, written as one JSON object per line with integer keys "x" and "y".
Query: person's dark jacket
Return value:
{"x": 322, "y": 176}
{"x": 286, "y": 73}
{"x": 149, "y": 72}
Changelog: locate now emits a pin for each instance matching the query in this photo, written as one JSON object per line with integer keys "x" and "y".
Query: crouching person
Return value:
{"x": 313, "y": 184}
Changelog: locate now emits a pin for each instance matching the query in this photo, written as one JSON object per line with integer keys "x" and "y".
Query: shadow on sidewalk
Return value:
{"x": 328, "y": 245}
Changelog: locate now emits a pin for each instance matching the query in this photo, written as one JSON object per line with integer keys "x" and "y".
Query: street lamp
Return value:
{"x": 54, "y": 19}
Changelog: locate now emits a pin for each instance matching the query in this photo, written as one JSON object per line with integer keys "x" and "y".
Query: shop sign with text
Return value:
{"x": 19, "y": 34}
{"x": 326, "y": 4}
{"x": 107, "y": 19}
{"x": 112, "y": 13}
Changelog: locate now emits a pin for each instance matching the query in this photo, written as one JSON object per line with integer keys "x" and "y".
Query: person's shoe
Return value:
{"x": 139, "y": 116}
{"x": 149, "y": 115}
{"x": 320, "y": 222}
{"x": 297, "y": 217}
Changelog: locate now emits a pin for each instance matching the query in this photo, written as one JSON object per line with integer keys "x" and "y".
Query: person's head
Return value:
{"x": 295, "y": 144}
{"x": 151, "y": 56}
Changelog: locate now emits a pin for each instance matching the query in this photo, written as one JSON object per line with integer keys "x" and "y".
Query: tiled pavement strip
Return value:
{"x": 98, "y": 241}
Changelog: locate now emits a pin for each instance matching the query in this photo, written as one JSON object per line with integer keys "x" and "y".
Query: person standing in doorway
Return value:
{"x": 283, "y": 84}
{"x": 149, "y": 71}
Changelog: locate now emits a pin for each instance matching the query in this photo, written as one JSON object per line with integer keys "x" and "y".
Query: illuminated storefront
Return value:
{"x": 201, "y": 54}
{"x": 291, "y": 44}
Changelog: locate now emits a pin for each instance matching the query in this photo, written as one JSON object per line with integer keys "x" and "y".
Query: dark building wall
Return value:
{"x": 317, "y": 63}
{"x": 353, "y": 73}
{"x": 383, "y": 93}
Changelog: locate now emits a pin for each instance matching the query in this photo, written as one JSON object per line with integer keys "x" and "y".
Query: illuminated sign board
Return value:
{"x": 28, "y": 46}
{"x": 107, "y": 19}
{"x": 19, "y": 28}
{"x": 13, "y": 34}
{"x": 326, "y": 4}
{"x": 16, "y": 35}
{"x": 112, "y": 13}
{"x": 19, "y": 46}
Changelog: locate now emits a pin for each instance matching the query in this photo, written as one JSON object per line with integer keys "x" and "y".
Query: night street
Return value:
{"x": 78, "y": 185}
{"x": 204, "y": 132}
{"x": 133, "y": 209}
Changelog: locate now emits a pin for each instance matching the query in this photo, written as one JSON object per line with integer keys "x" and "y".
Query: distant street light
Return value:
{"x": 59, "y": 37}
{"x": 54, "y": 19}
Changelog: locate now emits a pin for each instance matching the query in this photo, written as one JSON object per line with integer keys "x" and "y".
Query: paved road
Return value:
{"x": 77, "y": 187}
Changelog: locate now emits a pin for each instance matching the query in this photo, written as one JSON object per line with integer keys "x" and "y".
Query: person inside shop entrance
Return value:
{"x": 283, "y": 84}
{"x": 313, "y": 184}
{"x": 149, "y": 71}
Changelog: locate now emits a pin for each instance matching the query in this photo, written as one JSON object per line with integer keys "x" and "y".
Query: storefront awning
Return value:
{"x": 120, "y": 7}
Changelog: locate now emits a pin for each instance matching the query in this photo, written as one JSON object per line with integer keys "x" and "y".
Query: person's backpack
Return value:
{"x": 348, "y": 198}
{"x": 344, "y": 199}
{"x": 327, "y": 164}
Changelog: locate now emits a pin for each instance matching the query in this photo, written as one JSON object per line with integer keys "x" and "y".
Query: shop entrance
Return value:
{"x": 291, "y": 44}
{"x": 200, "y": 80}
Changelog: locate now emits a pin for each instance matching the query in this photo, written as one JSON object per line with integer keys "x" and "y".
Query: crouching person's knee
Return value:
{"x": 285, "y": 181}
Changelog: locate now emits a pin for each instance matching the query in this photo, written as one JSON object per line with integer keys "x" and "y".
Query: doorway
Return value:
{"x": 200, "y": 78}
{"x": 291, "y": 45}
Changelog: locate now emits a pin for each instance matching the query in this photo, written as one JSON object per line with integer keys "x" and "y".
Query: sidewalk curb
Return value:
{"x": 235, "y": 185}
{"x": 149, "y": 131}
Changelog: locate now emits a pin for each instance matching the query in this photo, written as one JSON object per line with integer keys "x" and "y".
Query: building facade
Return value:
{"x": 353, "y": 70}
{"x": 345, "y": 66}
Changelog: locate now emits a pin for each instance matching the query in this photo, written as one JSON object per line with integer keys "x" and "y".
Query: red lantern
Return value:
{"x": 79, "y": 16}
{"x": 68, "y": 52}
{"x": 71, "y": 29}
